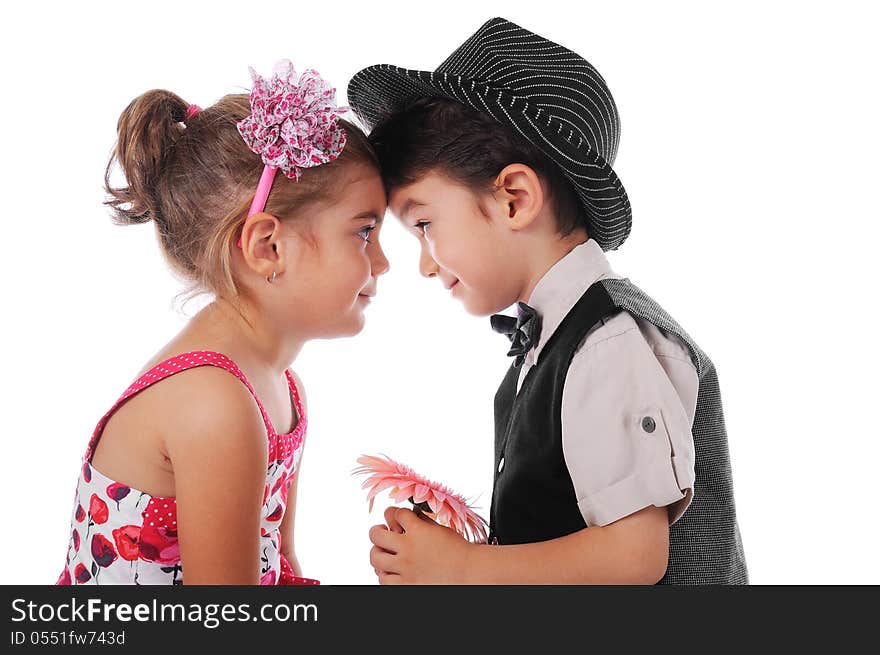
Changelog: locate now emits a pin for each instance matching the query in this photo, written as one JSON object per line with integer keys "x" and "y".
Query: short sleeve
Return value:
{"x": 626, "y": 432}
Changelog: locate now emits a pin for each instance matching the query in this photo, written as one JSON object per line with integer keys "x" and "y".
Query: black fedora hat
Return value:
{"x": 550, "y": 95}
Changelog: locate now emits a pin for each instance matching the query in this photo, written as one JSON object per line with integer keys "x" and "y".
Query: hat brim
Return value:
{"x": 376, "y": 92}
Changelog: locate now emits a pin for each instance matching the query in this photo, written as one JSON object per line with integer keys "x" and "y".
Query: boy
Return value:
{"x": 611, "y": 459}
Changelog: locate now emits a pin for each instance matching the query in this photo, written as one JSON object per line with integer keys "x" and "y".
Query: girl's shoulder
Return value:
{"x": 199, "y": 389}
{"x": 176, "y": 407}
{"x": 208, "y": 414}
{"x": 207, "y": 411}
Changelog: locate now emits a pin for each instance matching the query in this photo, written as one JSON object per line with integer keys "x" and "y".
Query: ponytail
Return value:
{"x": 146, "y": 132}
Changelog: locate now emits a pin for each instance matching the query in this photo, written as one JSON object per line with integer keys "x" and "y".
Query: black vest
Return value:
{"x": 533, "y": 497}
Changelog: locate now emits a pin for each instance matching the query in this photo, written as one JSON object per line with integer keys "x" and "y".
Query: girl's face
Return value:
{"x": 332, "y": 271}
{"x": 466, "y": 246}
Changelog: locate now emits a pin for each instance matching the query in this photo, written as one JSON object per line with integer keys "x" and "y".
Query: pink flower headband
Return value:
{"x": 292, "y": 126}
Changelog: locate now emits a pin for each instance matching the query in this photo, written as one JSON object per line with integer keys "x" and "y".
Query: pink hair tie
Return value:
{"x": 192, "y": 110}
{"x": 292, "y": 126}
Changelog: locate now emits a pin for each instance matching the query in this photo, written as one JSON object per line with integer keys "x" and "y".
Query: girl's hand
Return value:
{"x": 294, "y": 564}
{"x": 416, "y": 550}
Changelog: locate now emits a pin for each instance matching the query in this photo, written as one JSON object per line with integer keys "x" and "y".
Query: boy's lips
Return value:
{"x": 450, "y": 286}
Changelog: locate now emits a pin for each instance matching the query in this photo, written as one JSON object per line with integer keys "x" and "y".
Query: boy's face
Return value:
{"x": 465, "y": 241}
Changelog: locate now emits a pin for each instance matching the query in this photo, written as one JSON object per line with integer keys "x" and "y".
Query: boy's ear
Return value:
{"x": 521, "y": 195}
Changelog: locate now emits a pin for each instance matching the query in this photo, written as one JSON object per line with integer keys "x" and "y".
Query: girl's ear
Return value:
{"x": 261, "y": 240}
{"x": 520, "y": 194}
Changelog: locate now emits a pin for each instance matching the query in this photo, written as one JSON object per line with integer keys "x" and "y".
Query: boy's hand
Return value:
{"x": 416, "y": 550}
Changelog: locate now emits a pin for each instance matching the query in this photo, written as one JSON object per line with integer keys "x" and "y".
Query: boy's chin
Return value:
{"x": 484, "y": 306}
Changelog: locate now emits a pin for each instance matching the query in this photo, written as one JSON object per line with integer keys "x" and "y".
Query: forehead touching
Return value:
{"x": 362, "y": 194}
{"x": 431, "y": 191}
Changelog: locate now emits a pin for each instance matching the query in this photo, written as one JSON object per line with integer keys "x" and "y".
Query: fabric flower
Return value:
{"x": 292, "y": 124}
{"x": 447, "y": 507}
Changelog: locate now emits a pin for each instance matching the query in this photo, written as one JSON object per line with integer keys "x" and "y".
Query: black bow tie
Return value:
{"x": 523, "y": 331}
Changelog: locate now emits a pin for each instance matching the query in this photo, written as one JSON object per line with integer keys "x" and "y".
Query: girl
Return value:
{"x": 192, "y": 474}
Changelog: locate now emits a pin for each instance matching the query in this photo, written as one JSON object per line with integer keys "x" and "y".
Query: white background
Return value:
{"x": 749, "y": 151}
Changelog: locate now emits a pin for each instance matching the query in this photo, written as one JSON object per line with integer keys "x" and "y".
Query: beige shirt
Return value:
{"x": 625, "y": 370}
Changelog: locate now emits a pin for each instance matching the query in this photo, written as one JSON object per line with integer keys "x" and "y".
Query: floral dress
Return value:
{"x": 120, "y": 535}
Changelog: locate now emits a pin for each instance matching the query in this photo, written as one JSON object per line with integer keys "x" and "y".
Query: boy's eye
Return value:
{"x": 423, "y": 226}
{"x": 365, "y": 231}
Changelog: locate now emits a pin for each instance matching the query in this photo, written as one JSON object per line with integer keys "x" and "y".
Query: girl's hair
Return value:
{"x": 469, "y": 146}
{"x": 195, "y": 181}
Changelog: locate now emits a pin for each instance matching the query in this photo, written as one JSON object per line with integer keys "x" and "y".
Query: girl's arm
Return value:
{"x": 633, "y": 550}
{"x": 217, "y": 447}
{"x": 287, "y": 523}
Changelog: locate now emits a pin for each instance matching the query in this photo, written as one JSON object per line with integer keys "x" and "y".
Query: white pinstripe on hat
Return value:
{"x": 550, "y": 95}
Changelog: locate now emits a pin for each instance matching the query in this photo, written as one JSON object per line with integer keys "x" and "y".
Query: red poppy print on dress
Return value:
{"x": 81, "y": 573}
{"x": 126, "y": 539}
{"x": 80, "y": 514}
{"x": 117, "y": 492}
{"x": 159, "y": 544}
{"x": 64, "y": 579}
{"x": 102, "y": 551}
{"x": 98, "y": 510}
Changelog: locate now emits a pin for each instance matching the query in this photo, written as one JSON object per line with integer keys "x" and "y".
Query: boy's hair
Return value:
{"x": 469, "y": 146}
{"x": 196, "y": 181}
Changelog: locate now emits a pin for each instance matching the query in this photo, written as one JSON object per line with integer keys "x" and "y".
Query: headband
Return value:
{"x": 292, "y": 126}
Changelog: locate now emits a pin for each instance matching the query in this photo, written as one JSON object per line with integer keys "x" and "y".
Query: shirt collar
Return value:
{"x": 562, "y": 286}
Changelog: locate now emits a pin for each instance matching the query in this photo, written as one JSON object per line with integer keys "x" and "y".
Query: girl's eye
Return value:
{"x": 364, "y": 232}
{"x": 423, "y": 226}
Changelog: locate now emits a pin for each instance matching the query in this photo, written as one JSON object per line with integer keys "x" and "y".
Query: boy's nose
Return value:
{"x": 427, "y": 266}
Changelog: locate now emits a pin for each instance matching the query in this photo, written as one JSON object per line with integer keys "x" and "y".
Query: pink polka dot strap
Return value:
{"x": 193, "y": 359}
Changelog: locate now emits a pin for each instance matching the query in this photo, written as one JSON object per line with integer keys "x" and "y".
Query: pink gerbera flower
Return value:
{"x": 436, "y": 500}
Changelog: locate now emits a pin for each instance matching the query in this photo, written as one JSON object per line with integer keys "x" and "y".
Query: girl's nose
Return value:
{"x": 380, "y": 263}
